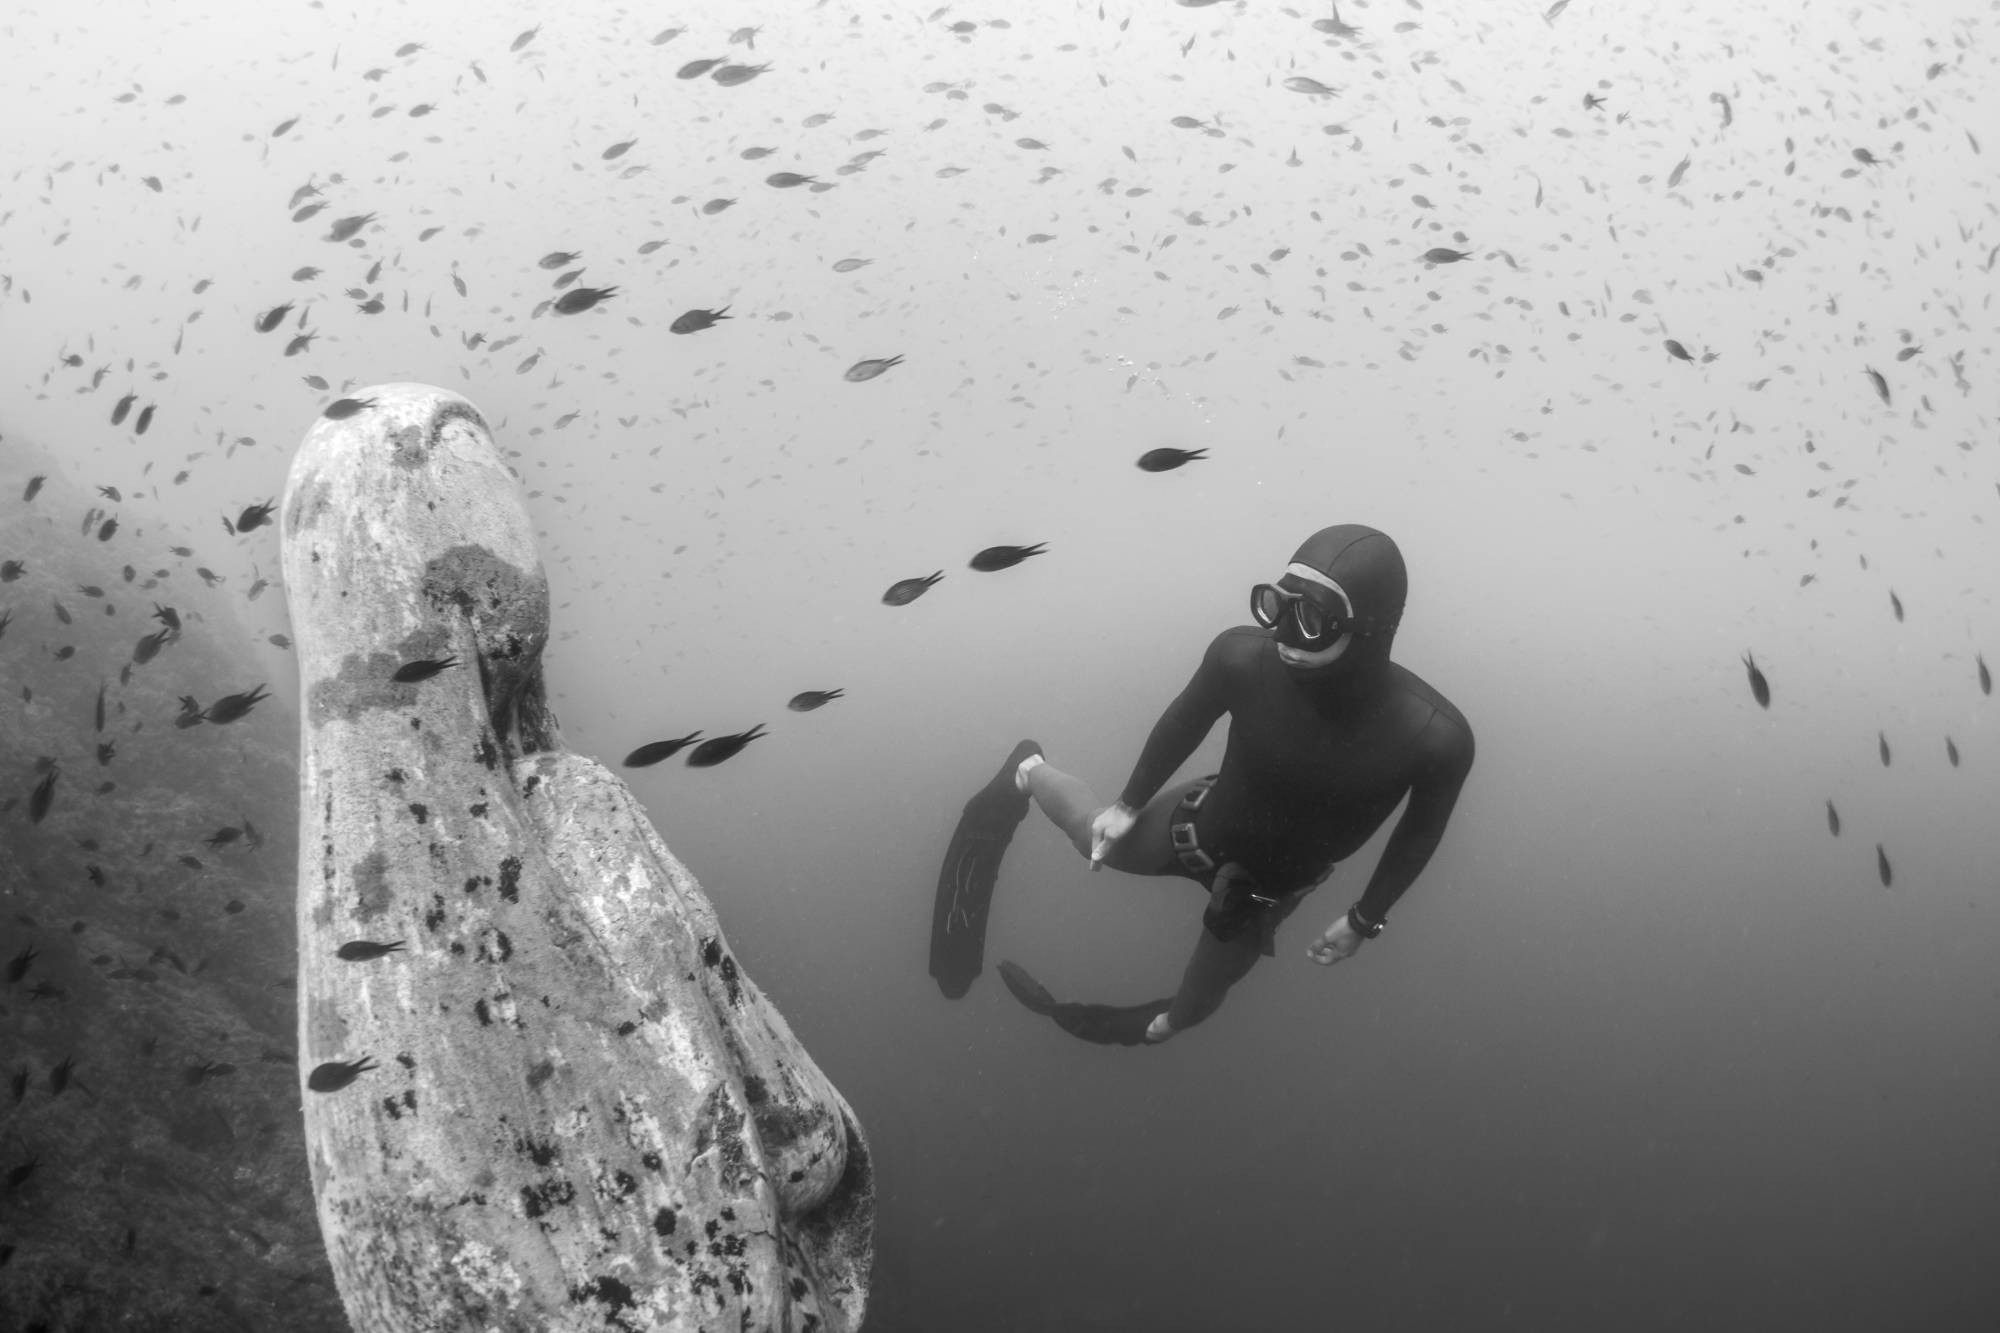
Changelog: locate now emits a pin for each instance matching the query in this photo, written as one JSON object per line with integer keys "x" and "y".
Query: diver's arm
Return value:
{"x": 1448, "y": 745}
{"x": 1180, "y": 729}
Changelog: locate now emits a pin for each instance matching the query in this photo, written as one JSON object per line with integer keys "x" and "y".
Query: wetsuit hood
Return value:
{"x": 1368, "y": 567}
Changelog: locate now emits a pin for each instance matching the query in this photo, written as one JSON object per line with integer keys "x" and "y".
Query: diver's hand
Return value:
{"x": 1340, "y": 941}
{"x": 1112, "y": 823}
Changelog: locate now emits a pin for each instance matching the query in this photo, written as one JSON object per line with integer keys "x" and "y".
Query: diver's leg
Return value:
{"x": 1070, "y": 805}
{"x": 1215, "y": 967}
{"x": 1068, "y": 801}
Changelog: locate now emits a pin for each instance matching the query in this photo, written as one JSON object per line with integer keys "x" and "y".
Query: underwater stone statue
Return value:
{"x": 540, "y": 1093}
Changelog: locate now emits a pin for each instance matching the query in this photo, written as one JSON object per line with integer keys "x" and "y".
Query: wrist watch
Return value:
{"x": 1362, "y": 925}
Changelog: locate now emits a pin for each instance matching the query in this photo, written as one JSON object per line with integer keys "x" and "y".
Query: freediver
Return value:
{"x": 1326, "y": 738}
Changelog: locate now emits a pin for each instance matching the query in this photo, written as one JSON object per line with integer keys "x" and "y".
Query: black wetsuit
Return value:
{"x": 1311, "y": 770}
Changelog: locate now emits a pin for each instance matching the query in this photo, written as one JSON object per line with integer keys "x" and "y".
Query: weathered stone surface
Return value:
{"x": 577, "y": 1111}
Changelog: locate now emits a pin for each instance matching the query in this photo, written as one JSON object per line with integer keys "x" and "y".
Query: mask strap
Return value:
{"x": 1311, "y": 575}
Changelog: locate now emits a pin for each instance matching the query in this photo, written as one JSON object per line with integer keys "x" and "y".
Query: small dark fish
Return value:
{"x": 1676, "y": 351}
{"x": 618, "y": 150}
{"x": 44, "y": 795}
{"x": 145, "y": 419}
{"x": 195, "y": 1075}
{"x": 556, "y": 259}
{"x": 362, "y": 951}
{"x": 904, "y": 591}
{"x": 1896, "y": 605}
{"x": 149, "y": 647}
{"x": 337, "y": 1074}
{"x": 1760, "y": 689}
{"x": 222, "y": 837}
{"x": 273, "y": 317}
{"x": 1680, "y": 170}
{"x": 348, "y": 226}
{"x": 12, "y": 569}
{"x": 19, "y": 1083}
{"x": 694, "y": 69}
{"x": 869, "y": 369}
{"x": 59, "y": 1076}
{"x": 1591, "y": 101}
{"x": 100, "y": 705}
{"x": 712, "y": 752}
{"x": 1881, "y": 385}
{"x": 123, "y": 409}
{"x": 1166, "y": 460}
{"x": 1951, "y": 751}
{"x": 343, "y": 408}
{"x": 191, "y": 862}
{"x": 233, "y": 706}
{"x": 300, "y": 344}
{"x": 648, "y": 755}
{"x": 422, "y": 669}
{"x": 18, "y": 965}
{"x": 18, "y": 1176}
{"x": 807, "y": 700}
{"x": 1832, "y": 820}
{"x": 580, "y": 299}
{"x": 255, "y": 516}
{"x": 1882, "y": 747}
{"x": 525, "y": 38}
{"x": 1440, "y": 255}
{"x": 1882, "y": 865}
{"x": 1909, "y": 352}
{"x": 694, "y": 321}
{"x": 1985, "y": 676}
{"x": 995, "y": 558}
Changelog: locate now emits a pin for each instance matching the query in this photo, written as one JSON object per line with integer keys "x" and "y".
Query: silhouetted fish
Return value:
{"x": 694, "y": 321}
{"x": 1882, "y": 744}
{"x": 233, "y": 706}
{"x": 1760, "y": 689}
{"x": 254, "y": 516}
{"x": 1882, "y": 865}
{"x": 342, "y": 408}
{"x": 1951, "y": 751}
{"x": 580, "y": 299}
{"x": 904, "y": 591}
{"x": 807, "y": 700}
{"x": 869, "y": 369}
{"x": 647, "y": 755}
{"x": 44, "y": 794}
{"x": 1166, "y": 460}
{"x": 1832, "y": 820}
{"x": 1896, "y": 605}
{"x": 337, "y": 1074}
{"x": 712, "y": 752}
{"x": 1985, "y": 676}
{"x": 362, "y": 951}
{"x": 422, "y": 669}
{"x": 995, "y": 558}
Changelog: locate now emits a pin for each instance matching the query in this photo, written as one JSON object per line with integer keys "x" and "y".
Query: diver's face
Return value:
{"x": 1292, "y": 649}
